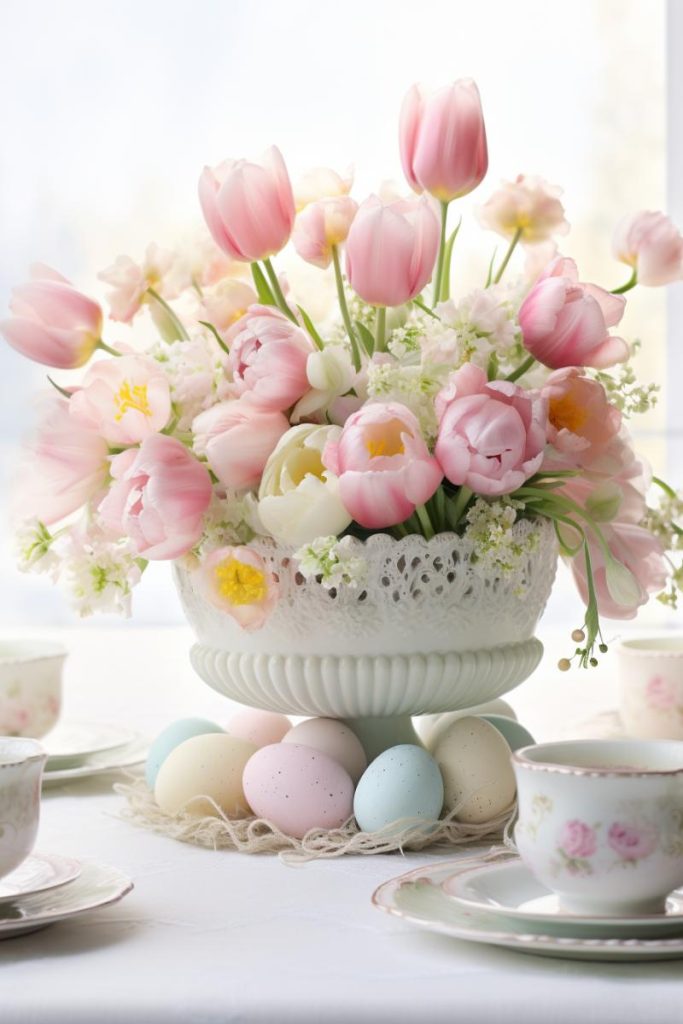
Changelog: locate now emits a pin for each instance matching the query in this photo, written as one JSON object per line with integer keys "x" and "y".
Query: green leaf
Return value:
{"x": 310, "y": 327}
{"x": 366, "y": 337}
{"x": 210, "y": 327}
{"x": 445, "y": 290}
{"x": 489, "y": 276}
{"x": 263, "y": 289}
{"x": 425, "y": 308}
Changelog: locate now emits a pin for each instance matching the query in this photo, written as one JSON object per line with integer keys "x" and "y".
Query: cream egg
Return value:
{"x": 331, "y": 737}
{"x": 430, "y": 727}
{"x": 209, "y": 766}
{"x": 474, "y": 760}
{"x": 258, "y": 726}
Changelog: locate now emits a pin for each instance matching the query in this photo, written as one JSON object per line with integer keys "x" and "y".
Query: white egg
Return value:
{"x": 331, "y": 737}
{"x": 205, "y": 766}
{"x": 474, "y": 760}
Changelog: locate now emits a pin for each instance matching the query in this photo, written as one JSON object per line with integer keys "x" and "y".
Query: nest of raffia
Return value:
{"x": 256, "y": 835}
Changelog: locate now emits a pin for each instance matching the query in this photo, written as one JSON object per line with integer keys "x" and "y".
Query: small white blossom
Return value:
{"x": 197, "y": 375}
{"x": 412, "y": 386}
{"x": 34, "y": 547}
{"x": 231, "y": 518}
{"x": 100, "y": 574}
{"x": 479, "y": 326}
{"x": 332, "y": 562}
{"x": 495, "y": 548}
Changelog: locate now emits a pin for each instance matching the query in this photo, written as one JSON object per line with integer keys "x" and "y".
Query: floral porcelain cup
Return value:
{"x": 601, "y": 822}
{"x": 21, "y": 771}
{"x": 30, "y": 686}
{"x": 651, "y": 687}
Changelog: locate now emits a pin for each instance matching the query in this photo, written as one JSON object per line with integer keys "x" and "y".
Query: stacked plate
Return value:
{"x": 78, "y": 750}
{"x": 47, "y": 888}
{"x": 496, "y": 900}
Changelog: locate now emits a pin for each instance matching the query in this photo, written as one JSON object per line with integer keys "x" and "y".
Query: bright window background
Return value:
{"x": 109, "y": 111}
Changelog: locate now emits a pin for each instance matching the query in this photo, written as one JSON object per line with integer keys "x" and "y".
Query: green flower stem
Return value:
{"x": 425, "y": 309}
{"x": 106, "y": 348}
{"x": 343, "y": 306}
{"x": 442, "y": 254}
{"x": 62, "y": 391}
{"x": 280, "y": 300}
{"x": 380, "y": 328}
{"x": 506, "y": 258}
{"x": 425, "y": 522}
{"x": 219, "y": 341}
{"x": 459, "y": 504}
{"x": 265, "y": 295}
{"x": 631, "y": 283}
{"x": 662, "y": 484}
{"x": 178, "y": 327}
{"x": 521, "y": 369}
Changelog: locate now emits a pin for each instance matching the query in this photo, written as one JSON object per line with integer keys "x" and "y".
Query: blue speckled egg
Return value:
{"x": 512, "y": 731}
{"x": 172, "y": 736}
{"x": 403, "y": 782}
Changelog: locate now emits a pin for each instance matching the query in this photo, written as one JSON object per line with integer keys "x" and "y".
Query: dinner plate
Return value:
{"x": 38, "y": 873}
{"x": 509, "y": 890}
{"x": 70, "y": 743}
{"x": 97, "y": 886}
{"x": 417, "y": 897}
{"x": 132, "y": 754}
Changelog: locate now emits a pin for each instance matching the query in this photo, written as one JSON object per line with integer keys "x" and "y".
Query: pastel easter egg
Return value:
{"x": 205, "y": 766}
{"x": 333, "y": 738}
{"x": 403, "y": 782}
{"x": 258, "y": 726}
{"x": 474, "y": 759}
{"x": 298, "y": 788}
{"x": 431, "y": 727}
{"x": 514, "y": 732}
{"x": 172, "y": 736}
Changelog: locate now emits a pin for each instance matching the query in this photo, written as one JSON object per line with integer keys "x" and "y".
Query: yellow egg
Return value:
{"x": 477, "y": 773}
{"x": 205, "y": 766}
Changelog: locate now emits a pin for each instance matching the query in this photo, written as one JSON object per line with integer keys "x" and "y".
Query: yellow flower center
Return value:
{"x": 565, "y": 414}
{"x": 386, "y": 439}
{"x": 131, "y": 396}
{"x": 240, "y": 583}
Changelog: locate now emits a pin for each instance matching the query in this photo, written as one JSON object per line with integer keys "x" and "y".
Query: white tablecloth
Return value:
{"x": 217, "y": 937}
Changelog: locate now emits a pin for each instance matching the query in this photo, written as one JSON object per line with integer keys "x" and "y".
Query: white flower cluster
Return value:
{"x": 480, "y": 326}
{"x": 196, "y": 375}
{"x": 624, "y": 391}
{"x": 34, "y": 549}
{"x": 496, "y": 550}
{"x": 665, "y": 521}
{"x": 412, "y": 386}
{"x": 332, "y": 562}
{"x": 231, "y": 518}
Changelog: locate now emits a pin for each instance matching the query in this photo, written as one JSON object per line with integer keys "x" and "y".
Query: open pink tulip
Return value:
{"x": 248, "y": 208}
{"x": 227, "y": 303}
{"x": 443, "y": 140}
{"x": 63, "y": 467}
{"x": 124, "y": 399}
{"x": 236, "y": 580}
{"x": 53, "y": 323}
{"x": 391, "y": 250}
{"x": 237, "y": 439}
{"x": 528, "y": 205}
{"x": 565, "y": 323}
{"x": 651, "y": 244}
{"x": 130, "y": 281}
{"x": 158, "y": 498}
{"x": 581, "y": 422}
{"x": 642, "y": 556}
{"x": 384, "y": 467}
{"x": 492, "y": 434}
{"x": 268, "y": 355}
{"x": 322, "y": 225}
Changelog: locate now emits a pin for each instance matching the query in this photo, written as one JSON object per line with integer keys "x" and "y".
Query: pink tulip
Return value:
{"x": 639, "y": 552}
{"x": 443, "y": 140}
{"x": 581, "y": 422}
{"x": 565, "y": 323}
{"x": 528, "y": 205}
{"x": 158, "y": 498}
{"x": 320, "y": 226}
{"x": 268, "y": 355}
{"x": 130, "y": 281}
{"x": 237, "y": 439}
{"x": 53, "y": 323}
{"x": 384, "y": 467}
{"x": 391, "y": 250}
{"x": 492, "y": 434}
{"x": 248, "y": 208}
{"x": 227, "y": 303}
{"x": 64, "y": 467}
{"x": 321, "y": 183}
{"x": 652, "y": 245}
{"x": 236, "y": 580}
{"x": 124, "y": 399}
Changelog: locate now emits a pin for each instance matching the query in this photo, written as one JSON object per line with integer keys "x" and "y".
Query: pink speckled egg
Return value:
{"x": 297, "y": 788}
{"x": 258, "y": 727}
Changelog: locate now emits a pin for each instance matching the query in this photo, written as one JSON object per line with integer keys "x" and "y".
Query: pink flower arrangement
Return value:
{"x": 253, "y": 410}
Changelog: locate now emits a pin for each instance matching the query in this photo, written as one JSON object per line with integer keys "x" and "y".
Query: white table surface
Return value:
{"x": 219, "y": 936}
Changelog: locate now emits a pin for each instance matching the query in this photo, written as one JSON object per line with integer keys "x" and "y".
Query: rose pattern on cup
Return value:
{"x": 630, "y": 842}
{"x": 660, "y": 693}
{"x": 28, "y": 710}
{"x": 578, "y": 842}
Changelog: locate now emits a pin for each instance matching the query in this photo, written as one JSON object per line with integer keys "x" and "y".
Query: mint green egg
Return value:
{"x": 514, "y": 732}
{"x": 403, "y": 782}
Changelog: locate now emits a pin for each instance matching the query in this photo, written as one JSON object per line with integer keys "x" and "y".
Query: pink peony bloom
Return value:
{"x": 237, "y": 439}
{"x": 268, "y": 355}
{"x": 63, "y": 468}
{"x": 565, "y": 323}
{"x": 578, "y": 840}
{"x": 248, "y": 208}
{"x": 391, "y": 250}
{"x": 53, "y": 323}
{"x": 491, "y": 434}
{"x": 384, "y": 467}
{"x": 124, "y": 399}
{"x": 129, "y": 281}
{"x": 158, "y": 498}
{"x": 581, "y": 422}
{"x": 237, "y": 581}
{"x": 660, "y": 694}
{"x": 443, "y": 140}
{"x": 320, "y": 226}
{"x": 630, "y": 842}
{"x": 321, "y": 183}
{"x": 528, "y": 205}
{"x": 641, "y": 569}
{"x": 652, "y": 245}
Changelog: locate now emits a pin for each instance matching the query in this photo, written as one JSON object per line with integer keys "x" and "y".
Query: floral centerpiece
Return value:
{"x": 406, "y": 411}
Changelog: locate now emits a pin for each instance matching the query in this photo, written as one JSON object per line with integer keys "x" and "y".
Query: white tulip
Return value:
{"x": 330, "y": 374}
{"x": 298, "y": 498}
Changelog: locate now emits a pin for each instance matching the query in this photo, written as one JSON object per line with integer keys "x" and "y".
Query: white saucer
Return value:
{"x": 97, "y": 886}
{"x": 69, "y": 743}
{"x": 132, "y": 754}
{"x": 417, "y": 897}
{"x": 38, "y": 873}
{"x": 507, "y": 889}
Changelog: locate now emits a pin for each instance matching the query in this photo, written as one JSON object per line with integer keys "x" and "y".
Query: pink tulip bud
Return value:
{"x": 320, "y": 226}
{"x": 391, "y": 250}
{"x": 248, "y": 208}
{"x": 158, "y": 498}
{"x": 528, "y": 205}
{"x": 443, "y": 140}
{"x": 53, "y": 323}
{"x": 237, "y": 438}
{"x": 565, "y": 323}
{"x": 652, "y": 245}
{"x": 321, "y": 183}
{"x": 268, "y": 356}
